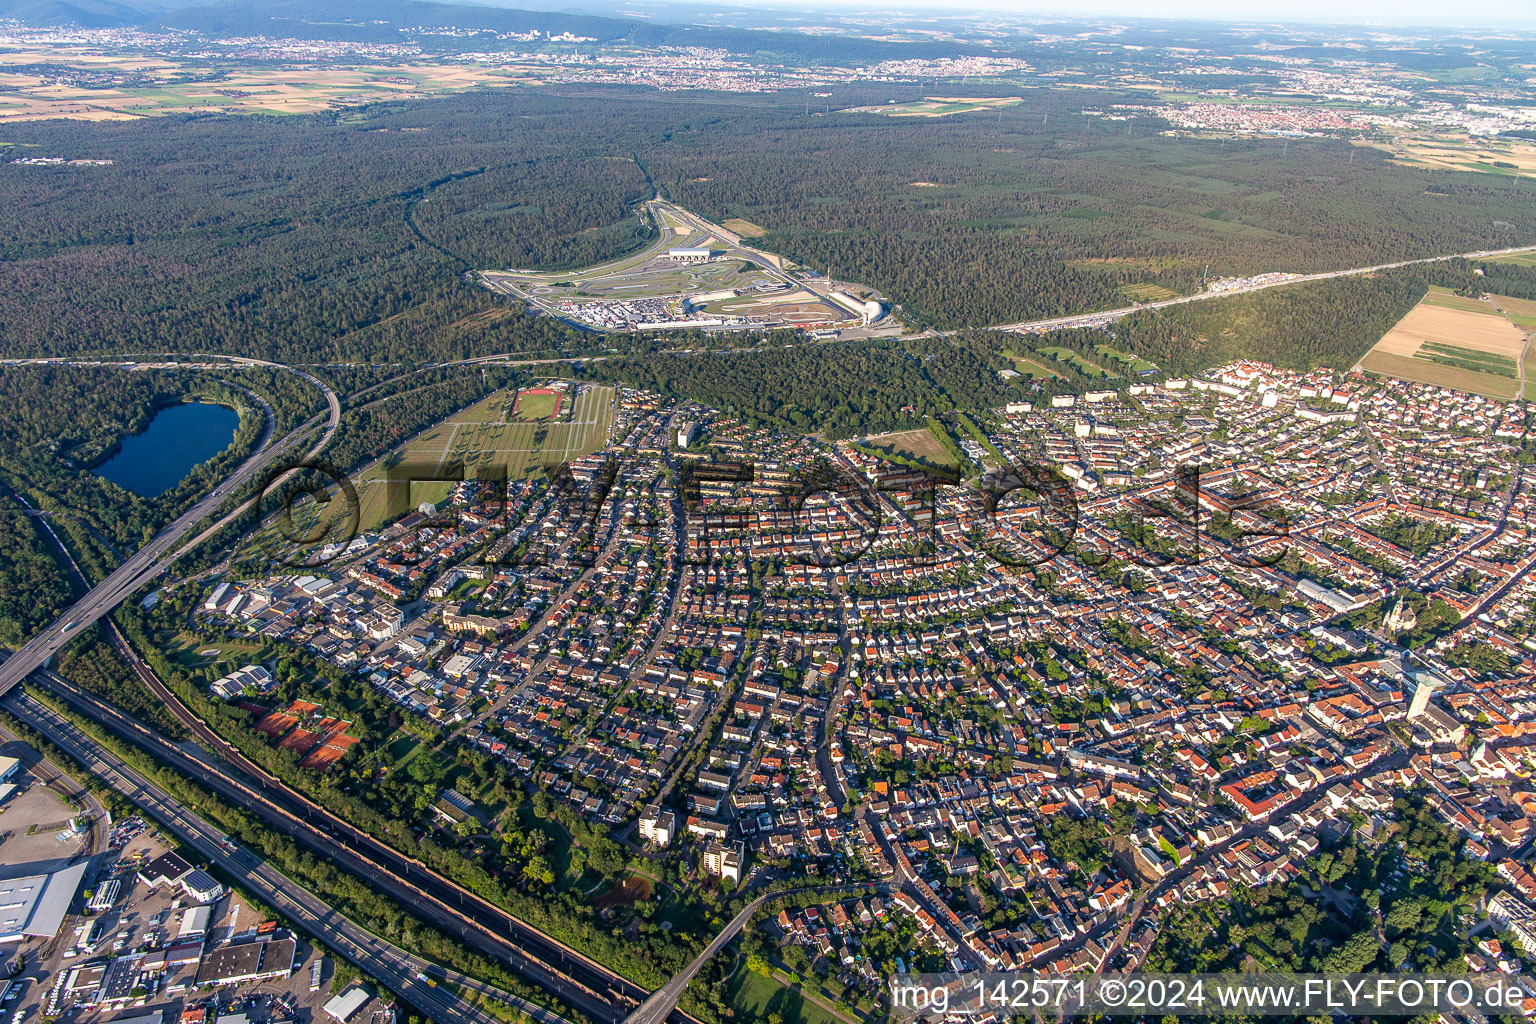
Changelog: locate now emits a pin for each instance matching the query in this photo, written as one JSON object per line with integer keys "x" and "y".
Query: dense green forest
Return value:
{"x": 1322, "y": 323}
{"x": 298, "y": 239}
{"x": 1038, "y": 210}
{"x": 348, "y": 235}
{"x": 33, "y": 588}
{"x": 851, "y": 388}
{"x": 841, "y": 389}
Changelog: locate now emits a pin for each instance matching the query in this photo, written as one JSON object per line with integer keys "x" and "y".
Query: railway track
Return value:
{"x": 589, "y": 987}
{"x": 461, "y": 900}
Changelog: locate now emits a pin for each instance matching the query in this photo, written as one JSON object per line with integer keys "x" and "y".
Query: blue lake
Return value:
{"x": 178, "y": 438}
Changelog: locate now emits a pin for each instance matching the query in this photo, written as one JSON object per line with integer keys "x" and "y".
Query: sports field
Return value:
{"x": 1083, "y": 366}
{"x": 1030, "y": 367}
{"x": 538, "y": 404}
{"x": 1455, "y": 342}
{"x": 1133, "y": 363}
{"x": 486, "y": 435}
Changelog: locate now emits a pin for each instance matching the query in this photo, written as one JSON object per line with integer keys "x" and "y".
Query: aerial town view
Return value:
{"x": 812, "y": 515}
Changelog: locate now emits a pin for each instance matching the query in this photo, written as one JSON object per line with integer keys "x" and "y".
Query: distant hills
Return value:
{"x": 381, "y": 21}
{"x": 85, "y": 13}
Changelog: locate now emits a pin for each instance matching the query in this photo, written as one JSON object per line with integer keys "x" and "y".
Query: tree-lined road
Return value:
{"x": 534, "y": 954}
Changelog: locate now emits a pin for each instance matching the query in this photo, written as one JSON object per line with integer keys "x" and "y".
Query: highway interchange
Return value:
{"x": 589, "y": 987}
{"x": 150, "y": 560}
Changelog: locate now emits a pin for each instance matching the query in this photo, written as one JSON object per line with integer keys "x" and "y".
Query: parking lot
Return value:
{"x": 144, "y": 922}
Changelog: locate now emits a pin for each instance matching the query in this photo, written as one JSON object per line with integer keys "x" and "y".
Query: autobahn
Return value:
{"x": 536, "y": 955}
{"x": 400, "y": 970}
{"x": 156, "y": 556}
{"x": 150, "y": 560}
{"x": 660, "y": 1004}
{"x": 1103, "y": 316}
{"x": 579, "y": 982}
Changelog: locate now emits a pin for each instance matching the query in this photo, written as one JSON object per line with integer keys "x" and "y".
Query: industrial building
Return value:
{"x": 247, "y": 961}
{"x": 9, "y": 766}
{"x": 170, "y": 868}
{"x": 105, "y": 895}
{"x": 35, "y": 905}
{"x": 344, "y": 1007}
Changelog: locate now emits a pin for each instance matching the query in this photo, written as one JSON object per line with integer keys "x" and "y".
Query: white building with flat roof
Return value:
{"x": 343, "y": 1007}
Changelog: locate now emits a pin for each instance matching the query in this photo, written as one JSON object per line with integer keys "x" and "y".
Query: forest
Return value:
{"x": 860, "y": 387}
{"x": 298, "y": 239}
{"x": 841, "y": 390}
{"x": 352, "y": 235}
{"x": 64, "y": 420}
{"x": 1038, "y": 209}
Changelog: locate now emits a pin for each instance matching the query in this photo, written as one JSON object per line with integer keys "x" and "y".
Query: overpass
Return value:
{"x": 155, "y": 557}
{"x": 397, "y": 968}
{"x": 659, "y": 1005}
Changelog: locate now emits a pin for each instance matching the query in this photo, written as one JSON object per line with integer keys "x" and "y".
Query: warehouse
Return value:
{"x": 247, "y": 961}
{"x": 345, "y": 1006}
{"x": 36, "y": 904}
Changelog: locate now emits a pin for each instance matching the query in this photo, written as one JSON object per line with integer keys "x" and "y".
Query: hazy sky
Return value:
{"x": 1383, "y": 12}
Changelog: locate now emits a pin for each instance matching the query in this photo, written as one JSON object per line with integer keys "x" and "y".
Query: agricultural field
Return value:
{"x": 1522, "y": 312}
{"x": 1455, "y": 342}
{"x": 938, "y": 106}
{"x": 1458, "y": 152}
{"x": 157, "y": 85}
{"x": 1523, "y": 259}
{"x": 1447, "y": 299}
